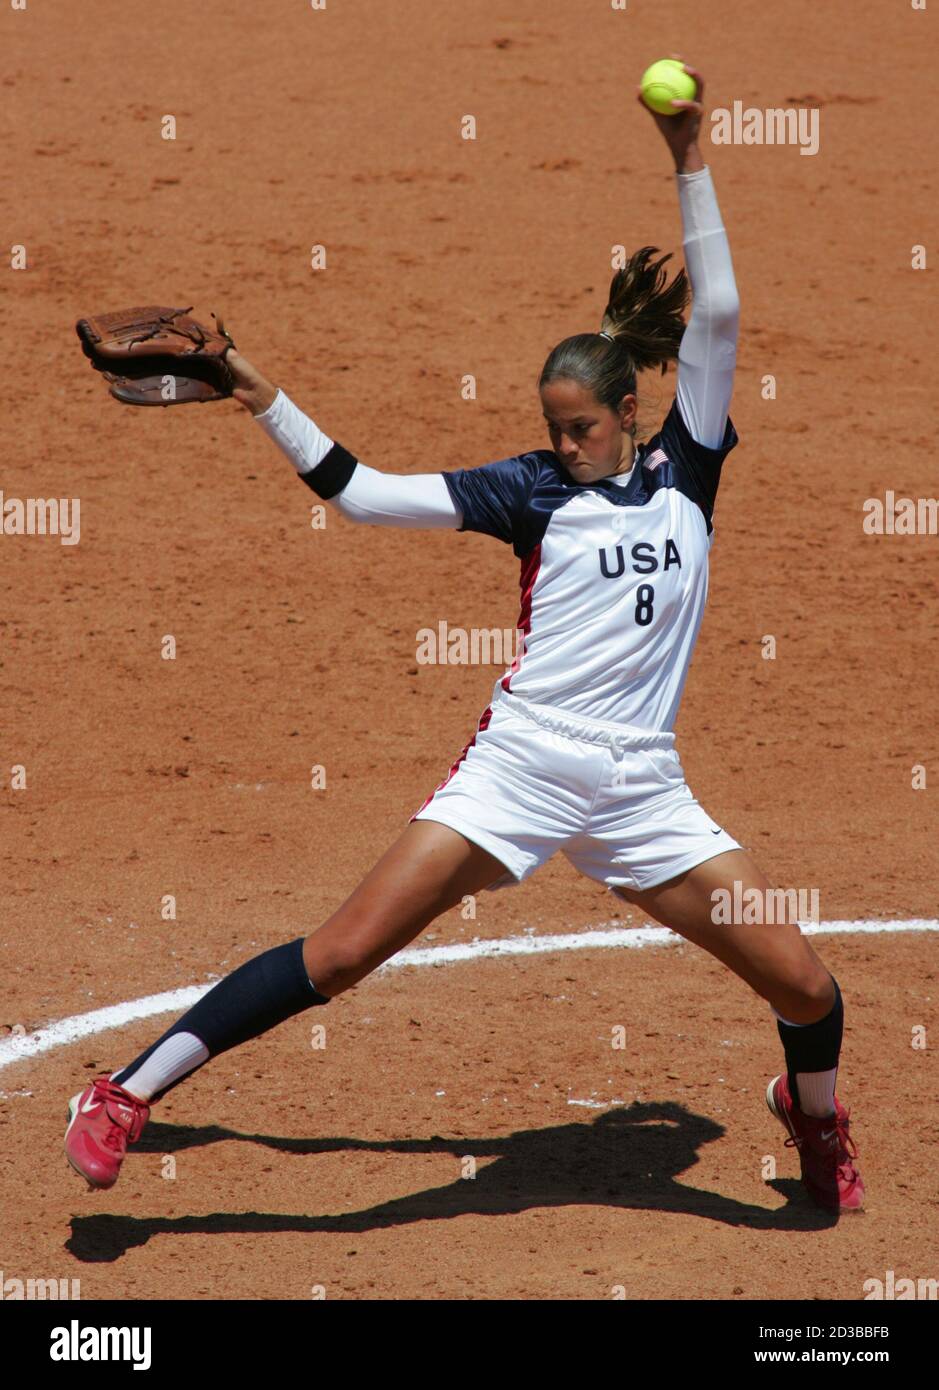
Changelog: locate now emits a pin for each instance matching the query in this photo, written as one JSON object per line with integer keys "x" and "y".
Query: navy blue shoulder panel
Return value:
{"x": 691, "y": 467}
{"x": 497, "y": 498}
{"x": 515, "y": 498}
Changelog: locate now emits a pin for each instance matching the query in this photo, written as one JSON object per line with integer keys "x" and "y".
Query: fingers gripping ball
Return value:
{"x": 665, "y": 82}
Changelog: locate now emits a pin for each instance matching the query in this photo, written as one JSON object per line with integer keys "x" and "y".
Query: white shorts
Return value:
{"x": 612, "y": 798}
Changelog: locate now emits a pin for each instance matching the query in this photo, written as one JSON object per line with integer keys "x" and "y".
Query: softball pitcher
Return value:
{"x": 575, "y": 751}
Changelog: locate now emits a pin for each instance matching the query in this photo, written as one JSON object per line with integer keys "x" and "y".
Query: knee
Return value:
{"x": 806, "y": 995}
{"x": 335, "y": 963}
{"x": 331, "y": 972}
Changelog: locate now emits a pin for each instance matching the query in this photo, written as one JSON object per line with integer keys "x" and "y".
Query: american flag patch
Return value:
{"x": 655, "y": 458}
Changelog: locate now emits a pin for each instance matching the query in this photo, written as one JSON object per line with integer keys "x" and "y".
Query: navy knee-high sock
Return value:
{"x": 813, "y": 1046}
{"x": 252, "y": 999}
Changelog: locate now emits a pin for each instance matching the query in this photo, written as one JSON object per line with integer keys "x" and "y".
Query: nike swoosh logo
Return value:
{"x": 718, "y": 831}
{"x": 90, "y": 1104}
{"x": 827, "y": 1134}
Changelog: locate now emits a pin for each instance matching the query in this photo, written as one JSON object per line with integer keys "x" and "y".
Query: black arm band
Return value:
{"x": 331, "y": 476}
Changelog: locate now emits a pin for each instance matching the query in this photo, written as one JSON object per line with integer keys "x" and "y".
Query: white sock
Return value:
{"x": 817, "y": 1092}
{"x": 816, "y": 1089}
{"x": 179, "y": 1054}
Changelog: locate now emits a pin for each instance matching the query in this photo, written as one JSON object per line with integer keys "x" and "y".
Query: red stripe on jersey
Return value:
{"x": 529, "y": 573}
{"x": 484, "y": 719}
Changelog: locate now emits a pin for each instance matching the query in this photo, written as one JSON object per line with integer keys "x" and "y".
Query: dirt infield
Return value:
{"x": 344, "y": 1168}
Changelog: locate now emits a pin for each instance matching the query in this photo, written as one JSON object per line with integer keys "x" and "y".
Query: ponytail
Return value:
{"x": 642, "y": 328}
{"x": 645, "y": 315}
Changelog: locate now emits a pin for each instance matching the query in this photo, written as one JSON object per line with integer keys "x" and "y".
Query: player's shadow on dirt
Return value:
{"x": 629, "y": 1157}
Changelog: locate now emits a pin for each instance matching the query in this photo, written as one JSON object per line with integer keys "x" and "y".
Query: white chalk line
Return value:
{"x": 71, "y": 1030}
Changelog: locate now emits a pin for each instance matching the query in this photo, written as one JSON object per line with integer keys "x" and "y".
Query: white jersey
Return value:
{"x": 614, "y": 573}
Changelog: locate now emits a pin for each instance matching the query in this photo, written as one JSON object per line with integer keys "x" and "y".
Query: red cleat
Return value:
{"x": 102, "y": 1120}
{"x": 826, "y": 1150}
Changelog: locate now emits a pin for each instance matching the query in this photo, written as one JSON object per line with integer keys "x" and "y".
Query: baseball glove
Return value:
{"x": 158, "y": 356}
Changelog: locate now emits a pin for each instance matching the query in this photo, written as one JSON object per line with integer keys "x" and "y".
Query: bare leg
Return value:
{"x": 775, "y": 960}
{"x": 428, "y": 870}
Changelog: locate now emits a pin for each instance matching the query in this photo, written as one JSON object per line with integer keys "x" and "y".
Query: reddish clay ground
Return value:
{"x": 341, "y": 1167}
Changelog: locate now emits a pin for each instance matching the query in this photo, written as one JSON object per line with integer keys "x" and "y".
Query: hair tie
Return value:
{"x": 604, "y": 334}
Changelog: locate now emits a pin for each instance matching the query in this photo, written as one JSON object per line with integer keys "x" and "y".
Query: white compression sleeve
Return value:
{"x": 708, "y": 353}
{"x": 382, "y": 499}
{"x": 302, "y": 441}
{"x": 398, "y": 499}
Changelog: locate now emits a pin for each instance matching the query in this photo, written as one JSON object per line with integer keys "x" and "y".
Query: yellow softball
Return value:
{"x": 666, "y": 81}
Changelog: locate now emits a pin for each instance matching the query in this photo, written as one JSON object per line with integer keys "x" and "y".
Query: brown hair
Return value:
{"x": 644, "y": 316}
